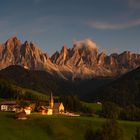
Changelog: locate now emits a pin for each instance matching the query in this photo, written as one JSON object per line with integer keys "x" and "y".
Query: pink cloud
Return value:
{"x": 109, "y": 25}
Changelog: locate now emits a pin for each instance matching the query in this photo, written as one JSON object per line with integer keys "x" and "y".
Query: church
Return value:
{"x": 53, "y": 108}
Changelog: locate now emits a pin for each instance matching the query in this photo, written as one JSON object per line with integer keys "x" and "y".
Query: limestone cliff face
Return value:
{"x": 13, "y": 52}
{"x": 82, "y": 61}
{"x": 60, "y": 58}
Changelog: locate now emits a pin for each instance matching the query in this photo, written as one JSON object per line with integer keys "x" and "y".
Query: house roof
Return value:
{"x": 8, "y": 103}
{"x": 28, "y": 108}
{"x": 45, "y": 107}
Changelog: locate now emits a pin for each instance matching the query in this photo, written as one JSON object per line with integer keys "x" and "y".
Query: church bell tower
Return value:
{"x": 51, "y": 103}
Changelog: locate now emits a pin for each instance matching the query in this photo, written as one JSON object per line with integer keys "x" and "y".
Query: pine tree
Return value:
{"x": 137, "y": 136}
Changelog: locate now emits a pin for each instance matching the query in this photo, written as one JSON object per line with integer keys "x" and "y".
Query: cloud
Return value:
{"x": 86, "y": 43}
{"x": 109, "y": 25}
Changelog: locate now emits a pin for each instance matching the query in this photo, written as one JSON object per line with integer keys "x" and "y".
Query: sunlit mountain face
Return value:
{"x": 82, "y": 61}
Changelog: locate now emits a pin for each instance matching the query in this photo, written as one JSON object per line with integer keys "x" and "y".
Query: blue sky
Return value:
{"x": 113, "y": 24}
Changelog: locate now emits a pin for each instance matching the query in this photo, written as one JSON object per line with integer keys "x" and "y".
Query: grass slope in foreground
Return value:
{"x": 54, "y": 127}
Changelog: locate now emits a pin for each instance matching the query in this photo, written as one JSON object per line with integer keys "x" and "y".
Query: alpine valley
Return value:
{"x": 82, "y": 70}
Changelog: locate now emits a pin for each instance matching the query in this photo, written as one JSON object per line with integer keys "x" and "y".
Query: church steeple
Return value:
{"x": 51, "y": 102}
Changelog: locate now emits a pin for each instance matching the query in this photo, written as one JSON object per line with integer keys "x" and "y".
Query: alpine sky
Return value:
{"x": 53, "y": 23}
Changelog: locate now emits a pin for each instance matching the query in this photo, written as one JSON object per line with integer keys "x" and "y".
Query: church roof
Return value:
{"x": 51, "y": 97}
{"x": 56, "y": 105}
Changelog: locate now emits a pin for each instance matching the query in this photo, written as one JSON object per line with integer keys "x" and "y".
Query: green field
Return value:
{"x": 40, "y": 127}
{"x": 93, "y": 106}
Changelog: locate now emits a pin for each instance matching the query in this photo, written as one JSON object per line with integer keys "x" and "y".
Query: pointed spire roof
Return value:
{"x": 51, "y": 96}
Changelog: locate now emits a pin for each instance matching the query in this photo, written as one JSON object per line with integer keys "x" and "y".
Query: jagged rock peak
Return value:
{"x": 64, "y": 49}
{"x": 126, "y": 53}
{"x": 54, "y": 57}
{"x": 46, "y": 55}
{"x": 13, "y": 38}
{"x": 13, "y": 41}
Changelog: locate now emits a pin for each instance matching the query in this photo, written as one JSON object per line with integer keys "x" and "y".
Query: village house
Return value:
{"x": 12, "y": 106}
{"x": 28, "y": 110}
{"x": 46, "y": 111}
{"x": 8, "y": 106}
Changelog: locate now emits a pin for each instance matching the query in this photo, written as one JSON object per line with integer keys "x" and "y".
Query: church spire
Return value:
{"x": 51, "y": 101}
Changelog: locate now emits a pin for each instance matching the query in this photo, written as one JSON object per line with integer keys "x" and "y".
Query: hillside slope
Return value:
{"x": 124, "y": 91}
{"x": 44, "y": 82}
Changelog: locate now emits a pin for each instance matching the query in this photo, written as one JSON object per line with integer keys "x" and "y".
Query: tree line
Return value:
{"x": 114, "y": 111}
{"x": 11, "y": 91}
{"x": 110, "y": 130}
{"x": 72, "y": 103}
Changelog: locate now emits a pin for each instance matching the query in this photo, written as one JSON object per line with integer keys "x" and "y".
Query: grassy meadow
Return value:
{"x": 93, "y": 106}
{"x": 39, "y": 127}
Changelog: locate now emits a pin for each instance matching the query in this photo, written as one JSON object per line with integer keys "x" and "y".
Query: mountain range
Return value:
{"x": 82, "y": 61}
